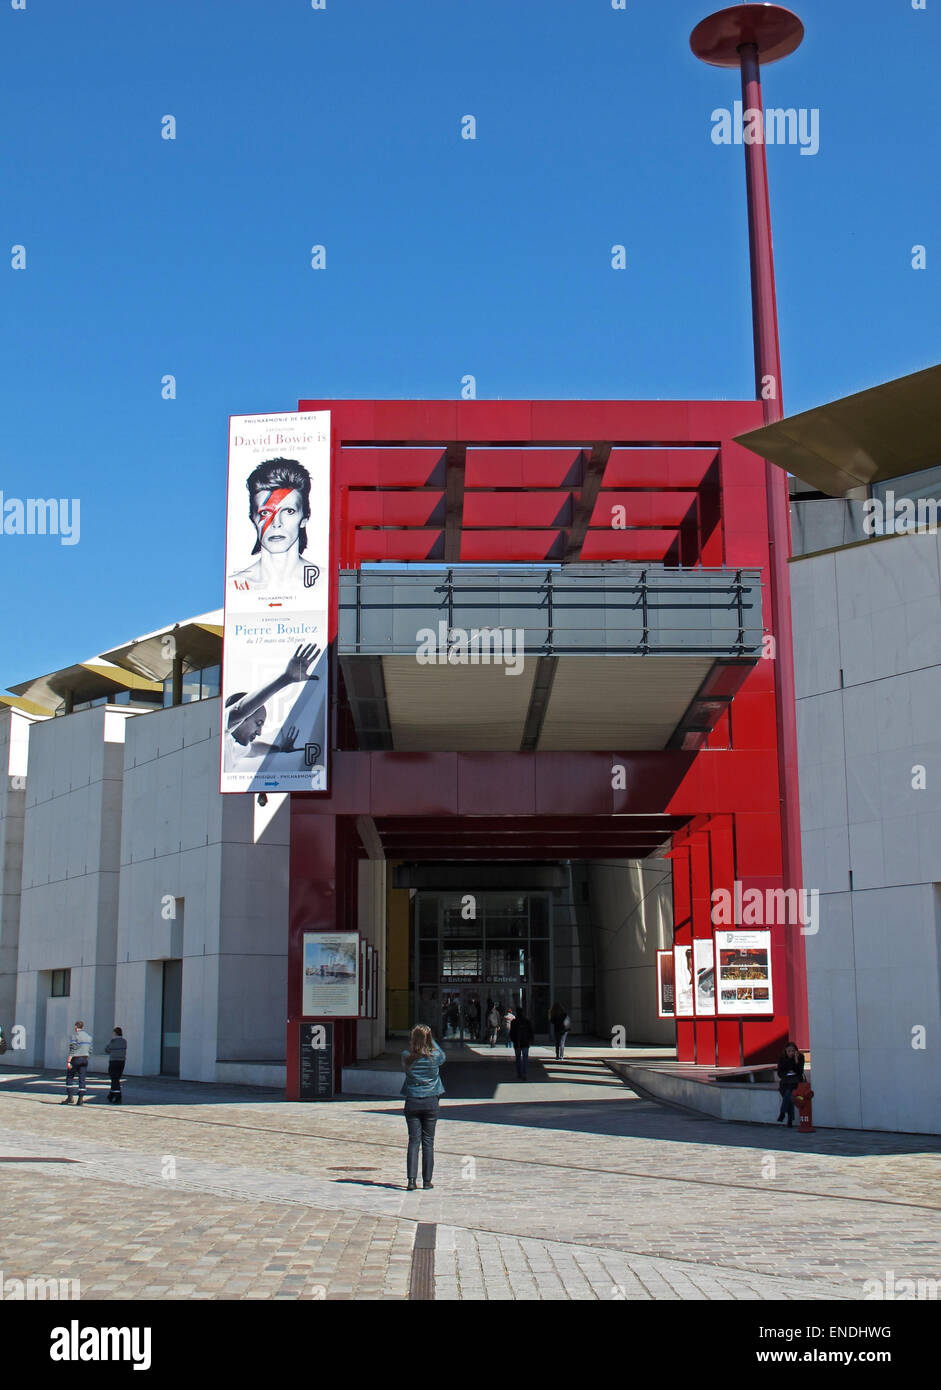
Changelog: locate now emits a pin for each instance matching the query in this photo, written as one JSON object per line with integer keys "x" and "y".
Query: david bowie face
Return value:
{"x": 278, "y": 514}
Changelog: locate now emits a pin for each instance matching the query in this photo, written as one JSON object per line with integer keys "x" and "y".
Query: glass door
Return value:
{"x": 171, "y": 1015}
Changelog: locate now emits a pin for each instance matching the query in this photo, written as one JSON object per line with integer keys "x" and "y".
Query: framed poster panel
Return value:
{"x": 704, "y": 977}
{"x": 666, "y": 993}
{"x": 331, "y": 975}
{"x": 275, "y": 672}
{"x": 371, "y": 971}
{"x": 363, "y": 976}
{"x": 743, "y": 973}
{"x": 375, "y": 984}
{"x": 683, "y": 981}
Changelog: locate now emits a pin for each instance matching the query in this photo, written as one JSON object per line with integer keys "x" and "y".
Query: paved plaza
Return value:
{"x": 568, "y": 1186}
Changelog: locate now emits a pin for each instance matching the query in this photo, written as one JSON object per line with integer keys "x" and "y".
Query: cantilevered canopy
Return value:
{"x": 198, "y": 642}
{"x": 86, "y": 680}
{"x": 885, "y": 432}
{"x": 24, "y": 706}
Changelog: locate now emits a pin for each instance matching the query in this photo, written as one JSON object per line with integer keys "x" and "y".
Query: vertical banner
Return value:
{"x": 705, "y": 973}
{"x": 275, "y": 696}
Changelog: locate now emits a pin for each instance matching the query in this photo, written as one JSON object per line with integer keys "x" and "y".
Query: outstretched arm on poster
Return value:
{"x": 247, "y": 712}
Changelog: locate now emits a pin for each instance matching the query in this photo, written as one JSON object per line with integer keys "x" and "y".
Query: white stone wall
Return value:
{"x": 14, "y": 734}
{"x": 226, "y": 858}
{"x": 69, "y": 885}
{"x": 119, "y": 854}
{"x": 867, "y": 636}
{"x": 632, "y": 918}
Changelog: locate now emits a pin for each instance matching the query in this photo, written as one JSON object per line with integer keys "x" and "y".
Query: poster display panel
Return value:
{"x": 705, "y": 977}
{"x": 275, "y": 694}
{"x": 683, "y": 970}
{"x": 331, "y": 975}
{"x": 743, "y": 972}
{"x": 369, "y": 956}
{"x": 666, "y": 995}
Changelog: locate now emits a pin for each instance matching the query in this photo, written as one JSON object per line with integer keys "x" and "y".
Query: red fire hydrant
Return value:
{"x": 803, "y": 1099}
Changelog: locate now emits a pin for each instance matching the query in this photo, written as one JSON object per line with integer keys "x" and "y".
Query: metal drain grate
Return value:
{"x": 422, "y": 1282}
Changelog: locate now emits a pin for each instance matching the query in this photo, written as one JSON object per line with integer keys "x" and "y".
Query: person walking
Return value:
{"x": 421, "y": 1088}
{"x": 790, "y": 1076}
{"x": 508, "y": 1018}
{"x": 117, "y": 1056}
{"x": 76, "y": 1066}
{"x": 493, "y": 1023}
{"x": 521, "y": 1031}
{"x": 473, "y": 1018}
{"x": 559, "y": 1024}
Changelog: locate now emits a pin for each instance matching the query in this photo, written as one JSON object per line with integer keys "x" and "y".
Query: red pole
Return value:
{"x": 768, "y": 390}
{"x": 743, "y": 36}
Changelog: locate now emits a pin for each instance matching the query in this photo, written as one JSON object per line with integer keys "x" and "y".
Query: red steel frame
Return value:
{"x": 502, "y": 481}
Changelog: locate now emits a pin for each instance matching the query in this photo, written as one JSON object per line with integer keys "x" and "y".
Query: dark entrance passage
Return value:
{"x": 477, "y": 949}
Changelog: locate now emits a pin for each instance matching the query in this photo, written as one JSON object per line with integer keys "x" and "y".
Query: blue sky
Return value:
{"x": 341, "y": 127}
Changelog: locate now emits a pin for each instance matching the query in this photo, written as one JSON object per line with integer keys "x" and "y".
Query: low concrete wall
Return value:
{"x": 253, "y": 1074}
{"x": 371, "y": 1081}
{"x": 754, "y": 1103}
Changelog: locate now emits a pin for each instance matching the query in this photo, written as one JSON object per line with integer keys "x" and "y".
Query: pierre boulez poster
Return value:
{"x": 274, "y": 677}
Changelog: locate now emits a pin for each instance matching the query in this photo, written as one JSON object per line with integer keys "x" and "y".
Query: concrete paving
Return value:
{"x": 567, "y": 1186}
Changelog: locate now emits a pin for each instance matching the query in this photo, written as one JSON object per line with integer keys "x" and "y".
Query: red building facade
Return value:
{"x": 658, "y": 484}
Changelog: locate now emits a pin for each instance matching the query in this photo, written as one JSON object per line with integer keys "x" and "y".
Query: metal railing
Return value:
{"x": 579, "y": 609}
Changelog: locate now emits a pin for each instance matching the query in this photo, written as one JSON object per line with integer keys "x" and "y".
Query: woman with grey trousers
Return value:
{"x": 421, "y": 1088}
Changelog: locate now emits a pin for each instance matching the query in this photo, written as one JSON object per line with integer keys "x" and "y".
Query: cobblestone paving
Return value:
{"x": 568, "y": 1189}
{"x": 122, "y": 1242}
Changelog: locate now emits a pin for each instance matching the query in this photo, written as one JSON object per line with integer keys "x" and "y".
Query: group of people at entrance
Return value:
{"x": 515, "y": 1029}
{"x": 460, "y": 1017}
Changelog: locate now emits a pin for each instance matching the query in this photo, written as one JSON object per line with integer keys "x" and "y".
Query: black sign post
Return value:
{"x": 316, "y": 1069}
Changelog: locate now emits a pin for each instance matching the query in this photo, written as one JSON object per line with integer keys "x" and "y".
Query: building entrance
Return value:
{"x": 476, "y": 950}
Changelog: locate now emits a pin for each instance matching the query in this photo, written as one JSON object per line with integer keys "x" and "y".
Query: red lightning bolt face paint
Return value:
{"x": 272, "y": 504}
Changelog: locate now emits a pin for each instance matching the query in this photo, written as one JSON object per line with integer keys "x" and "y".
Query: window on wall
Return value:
{"x": 201, "y": 684}
{"x": 209, "y": 682}
{"x": 926, "y": 484}
{"x": 61, "y": 986}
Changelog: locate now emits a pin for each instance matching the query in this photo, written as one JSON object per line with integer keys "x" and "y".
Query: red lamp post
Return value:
{"x": 743, "y": 37}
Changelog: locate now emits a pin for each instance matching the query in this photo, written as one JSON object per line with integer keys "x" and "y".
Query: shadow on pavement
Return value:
{"x": 581, "y": 1097}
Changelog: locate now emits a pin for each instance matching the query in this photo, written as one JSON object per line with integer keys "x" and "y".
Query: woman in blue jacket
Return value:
{"x": 421, "y": 1089}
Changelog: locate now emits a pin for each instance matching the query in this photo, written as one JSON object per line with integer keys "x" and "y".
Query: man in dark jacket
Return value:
{"x": 790, "y": 1076}
{"x": 521, "y": 1036}
{"x": 117, "y": 1056}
